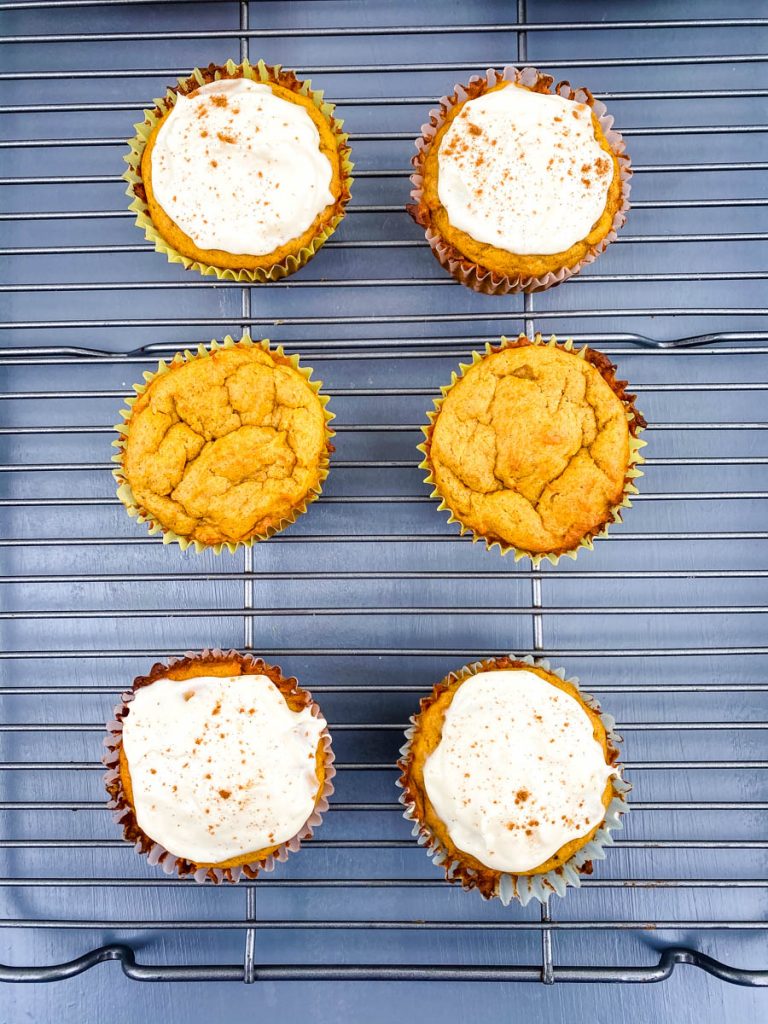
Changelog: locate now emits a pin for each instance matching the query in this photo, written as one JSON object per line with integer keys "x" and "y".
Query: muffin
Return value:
{"x": 218, "y": 765}
{"x": 518, "y": 183}
{"x": 240, "y": 171}
{"x": 510, "y": 774}
{"x": 534, "y": 447}
{"x": 223, "y": 447}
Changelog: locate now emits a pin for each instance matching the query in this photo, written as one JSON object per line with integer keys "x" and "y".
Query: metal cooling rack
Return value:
{"x": 370, "y": 598}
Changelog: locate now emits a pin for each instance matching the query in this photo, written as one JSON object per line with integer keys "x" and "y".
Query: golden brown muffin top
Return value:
{"x": 531, "y": 447}
{"x": 225, "y": 447}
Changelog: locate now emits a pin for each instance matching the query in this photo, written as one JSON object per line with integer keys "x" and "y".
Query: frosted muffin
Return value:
{"x": 224, "y": 447}
{"x": 243, "y": 169}
{"x": 509, "y": 773}
{"x": 219, "y": 765}
{"x": 534, "y": 447}
{"x": 517, "y": 183}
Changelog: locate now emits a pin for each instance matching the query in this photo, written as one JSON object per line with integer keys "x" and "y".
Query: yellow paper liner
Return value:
{"x": 125, "y": 493}
{"x": 635, "y": 421}
{"x": 123, "y": 811}
{"x": 507, "y": 886}
{"x": 461, "y": 267}
{"x": 262, "y": 73}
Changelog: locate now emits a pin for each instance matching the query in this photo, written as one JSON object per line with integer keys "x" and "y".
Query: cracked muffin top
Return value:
{"x": 226, "y": 447}
{"x": 531, "y": 447}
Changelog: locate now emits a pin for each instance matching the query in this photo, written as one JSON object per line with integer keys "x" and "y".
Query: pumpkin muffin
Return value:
{"x": 218, "y": 765}
{"x": 509, "y": 773}
{"x": 224, "y": 447}
{"x": 518, "y": 183}
{"x": 534, "y": 447}
{"x": 241, "y": 169}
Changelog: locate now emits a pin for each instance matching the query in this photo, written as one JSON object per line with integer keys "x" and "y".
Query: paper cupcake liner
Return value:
{"x": 461, "y": 267}
{"x": 509, "y": 886}
{"x": 123, "y": 812}
{"x": 635, "y": 421}
{"x": 125, "y": 493}
{"x": 259, "y": 72}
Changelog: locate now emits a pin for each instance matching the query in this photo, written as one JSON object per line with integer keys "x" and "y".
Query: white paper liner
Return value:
{"x": 171, "y": 864}
{"x": 510, "y": 886}
{"x": 461, "y": 267}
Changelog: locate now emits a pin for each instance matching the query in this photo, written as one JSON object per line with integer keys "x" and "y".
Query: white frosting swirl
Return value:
{"x": 523, "y": 171}
{"x": 240, "y": 169}
{"x": 517, "y": 772}
{"x": 220, "y": 766}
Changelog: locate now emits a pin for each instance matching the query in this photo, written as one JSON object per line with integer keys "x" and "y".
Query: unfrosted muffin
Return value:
{"x": 242, "y": 169}
{"x": 519, "y": 183}
{"x": 225, "y": 446}
{"x": 218, "y": 763}
{"x": 534, "y": 446}
{"x": 509, "y": 773}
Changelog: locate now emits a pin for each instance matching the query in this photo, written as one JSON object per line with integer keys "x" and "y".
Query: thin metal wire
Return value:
{"x": 380, "y": 30}
{"x": 389, "y": 392}
{"x": 660, "y": 971}
{"x": 695, "y": 129}
{"x": 371, "y": 883}
{"x": 391, "y": 844}
{"x": 537, "y": 620}
{"x": 64, "y": 467}
{"x": 698, "y": 726}
{"x": 341, "y": 69}
{"x": 385, "y": 282}
{"x": 415, "y": 652}
{"x": 389, "y": 574}
{"x": 390, "y": 101}
{"x": 695, "y": 346}
{"x": 249, "y": 951}
{"x": 412, "y": 428}
{"x": 379, "y": 807}
{"x": 673, "y": 167}
{"x": 102, "y": 924}
{"x": 743, "y": 236}
{"x": 631, "y": 688}
{"x": 373, "y": 766}
{"x": 410, "y": 318}
{"x": 535, "y": 611}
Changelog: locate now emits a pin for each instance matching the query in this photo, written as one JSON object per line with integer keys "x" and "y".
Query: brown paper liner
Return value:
{"x": 635, "y": 422}
{"x": 124, "y": 814}
{"x": 506, "y": 886}
{"x": 259, "y": 72}
{"x": 465, "y": 270}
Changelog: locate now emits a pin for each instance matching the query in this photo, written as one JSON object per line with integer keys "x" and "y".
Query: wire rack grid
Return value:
{"x": 370, "y": 598}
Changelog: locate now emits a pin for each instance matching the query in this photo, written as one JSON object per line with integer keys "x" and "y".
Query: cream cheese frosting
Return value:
{"x": 523, "y": 171}
{"x": 517, "y": 773}
{"x": 220, "y": 766}
{"x": 240, "y": 169}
